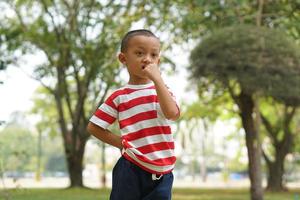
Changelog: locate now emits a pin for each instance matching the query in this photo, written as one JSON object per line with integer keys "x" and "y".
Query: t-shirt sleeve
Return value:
{"x": 106, "y": 114}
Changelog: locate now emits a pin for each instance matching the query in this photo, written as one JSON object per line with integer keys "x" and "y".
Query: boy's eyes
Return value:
{"x": 140, "y": 53}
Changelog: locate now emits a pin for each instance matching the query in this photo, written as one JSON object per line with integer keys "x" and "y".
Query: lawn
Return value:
{"x": 178, "y": 194}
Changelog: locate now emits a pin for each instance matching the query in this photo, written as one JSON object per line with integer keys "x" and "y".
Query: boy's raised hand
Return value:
{"x": 152, "y": 72}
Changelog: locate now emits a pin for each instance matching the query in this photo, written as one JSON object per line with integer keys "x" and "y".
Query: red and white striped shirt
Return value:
{"x": 145, "y": 132}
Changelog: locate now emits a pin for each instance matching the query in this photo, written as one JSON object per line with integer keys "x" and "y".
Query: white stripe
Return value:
{"x": 109, "y": 110}
{"x": 136, "y": 110}
{"x": 160, "y": 154}
{"x": 99, "y": 122}
{"x": 122, "y": 98}
{"x": 160, "y": 113}
{"x": 142, "y": 125}
{"x": 149, "y": 166}
{"x": 151, "y": 140}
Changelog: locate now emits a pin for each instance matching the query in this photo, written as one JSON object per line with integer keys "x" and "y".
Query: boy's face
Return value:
{"x": 140, "y": 52}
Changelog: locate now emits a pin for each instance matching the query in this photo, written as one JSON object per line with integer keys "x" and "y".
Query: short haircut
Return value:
{"x": 131, "y": 34}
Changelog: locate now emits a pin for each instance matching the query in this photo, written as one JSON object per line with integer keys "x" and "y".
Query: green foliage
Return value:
{"x": 261, "y": 60}
{"x": 212, "y": 105}
{"x": 78, "y": 41}
{"x": 44, "y": 108}
{"x": 53, "y": 157}
{"x": 276, "y": 114}
{"x": 199, "y": 18}
{"x": 17, "y": 148}
{"x": 297, "y": 130}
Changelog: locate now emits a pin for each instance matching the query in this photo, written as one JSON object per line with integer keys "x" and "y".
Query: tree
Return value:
{"x": 2, "y": 67}
{"x": 199, "y": 18}
{"x": 260, "y": 59}
{"x": 199, "y": 116}
{"x": 78, "y": 41}
{"x": 16, "y": 146}
{"x": 280, "y": 126}
{"x": 46, "y": 124}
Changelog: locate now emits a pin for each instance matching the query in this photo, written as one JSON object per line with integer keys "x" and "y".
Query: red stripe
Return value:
{"x": 114, "y": 95}
{"x": 128, "y": 91}
{"x": 110, "y": 102}
{"x": 165, "y": 161}
{"x": 158, "y": 162}
{"x": 104, "y": 116}
{"x": 124, "y": 91}
{"x": 145, "y": 168}
{"x": 147, "y": 132}
{"x": 156, "y": 147}
{"x": 117, "y": 93}
{"x": 138, "y": 117}
{"x": 137, "y": 101}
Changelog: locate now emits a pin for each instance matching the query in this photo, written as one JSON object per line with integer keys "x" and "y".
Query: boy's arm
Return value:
{"x": 166, "y": 101}
{"x": 105, "y": 135}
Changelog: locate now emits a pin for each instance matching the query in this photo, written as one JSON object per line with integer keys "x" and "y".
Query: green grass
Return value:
{"x": 178, "y": 194}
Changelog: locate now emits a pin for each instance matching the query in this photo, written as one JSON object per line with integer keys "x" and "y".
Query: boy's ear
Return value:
{"x": 158, "y": 62}
{"x": 122, "y": 58}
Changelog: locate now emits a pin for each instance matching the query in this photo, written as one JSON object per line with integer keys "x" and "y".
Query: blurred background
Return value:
{"x": 234, "y": 66}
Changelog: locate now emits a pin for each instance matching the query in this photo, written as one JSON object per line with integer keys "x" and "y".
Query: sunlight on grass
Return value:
{"x": 103, "y": 194}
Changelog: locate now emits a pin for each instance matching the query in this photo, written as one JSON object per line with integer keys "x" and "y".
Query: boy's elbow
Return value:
{"x": 90, "y": 128}
{"x": 173, "y": 115}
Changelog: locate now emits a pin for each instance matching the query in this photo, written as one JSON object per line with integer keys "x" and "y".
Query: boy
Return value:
{"x": 142, "y": 108}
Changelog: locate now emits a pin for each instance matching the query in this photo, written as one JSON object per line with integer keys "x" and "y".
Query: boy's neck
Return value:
{"x": 139, "y": 82}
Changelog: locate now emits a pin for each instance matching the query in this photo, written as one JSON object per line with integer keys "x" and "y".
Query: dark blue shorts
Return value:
{"x": 130, "y": 182}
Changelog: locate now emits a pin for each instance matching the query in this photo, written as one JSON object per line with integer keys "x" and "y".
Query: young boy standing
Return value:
{"x": 143, "y": 109}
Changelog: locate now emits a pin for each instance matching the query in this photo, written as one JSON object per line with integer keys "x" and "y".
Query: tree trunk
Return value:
{"x": 276, "y": 168}
{"x": 74, "y": 160}
{"x": 282, "y": 147}
{"x": 103, "y": 164}
{"x": 203, "y": 170}
{"x": 253, "y": 144}
{"x": 39, "y": 157}
{"x": 276, "y": 171}
{"x": 76, "y": 136}
{"x": 74, "y": 163}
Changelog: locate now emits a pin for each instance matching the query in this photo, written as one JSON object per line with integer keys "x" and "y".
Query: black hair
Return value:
{"x": 133, "y": 33}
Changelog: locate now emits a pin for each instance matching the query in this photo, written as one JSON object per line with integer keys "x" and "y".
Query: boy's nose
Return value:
{"x": 147, "y": 59}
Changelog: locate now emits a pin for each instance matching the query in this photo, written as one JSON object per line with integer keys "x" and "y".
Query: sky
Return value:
{"x": 16, "y": 92}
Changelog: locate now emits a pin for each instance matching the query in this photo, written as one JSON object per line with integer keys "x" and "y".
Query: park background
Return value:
{"x": 233, "y": 66}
